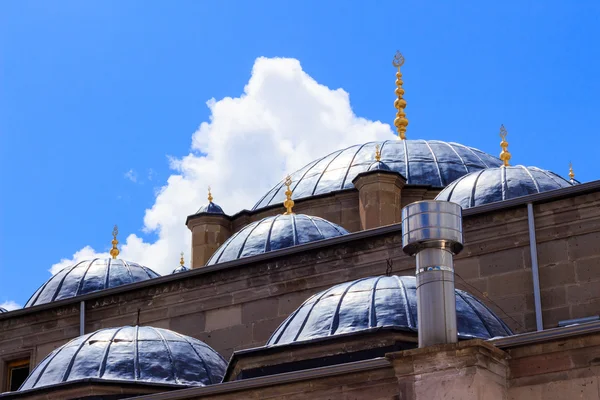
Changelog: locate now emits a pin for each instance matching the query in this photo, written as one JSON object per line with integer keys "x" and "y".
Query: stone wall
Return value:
{"x": 238, "y": 305}
{"x": 342, "y": 208}
{"x": 560, "y": 369}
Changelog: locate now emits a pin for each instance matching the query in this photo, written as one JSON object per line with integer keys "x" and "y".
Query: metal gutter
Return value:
{"x": 271, "y": 380}
{"x": 534, "y": 268}
{"x": 82, "y": 318}
{"x": 317, "y": 245}
{"x": 545, "y": 335}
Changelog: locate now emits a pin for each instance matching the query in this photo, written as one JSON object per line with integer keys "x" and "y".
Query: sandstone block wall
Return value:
{"x": 561, "y": 369}
{"x": 239, "y": 307}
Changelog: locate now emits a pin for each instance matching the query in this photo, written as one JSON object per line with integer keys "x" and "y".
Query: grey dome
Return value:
{"x": 90, "y": 276}
{"x": 275, "y": 233}
{"x": 181, "y": 268}
{"x": 421, "y": 162}
{"x": 498, "y": 184}
{"x": 379, "y": 166}
{"x": 135, "y": 354}
{"x": 210, "y": 208}
{"x": 378, "y": 302}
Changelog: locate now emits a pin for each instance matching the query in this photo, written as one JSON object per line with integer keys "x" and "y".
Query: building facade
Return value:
{"x": 310, "y": 293}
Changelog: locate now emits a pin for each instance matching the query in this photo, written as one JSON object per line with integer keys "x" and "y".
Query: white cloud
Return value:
{"x": 10, "y": 305}
{"x": 131, "y": 175}
{"x": 283, "y": 120}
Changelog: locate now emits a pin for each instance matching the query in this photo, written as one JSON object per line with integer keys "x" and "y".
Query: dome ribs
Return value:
{"x": 446, "y": 157}
{"x": 335, "y": 321}
{"x": 204, "y": 365}
{"x": 172, "y": 370}
{"x": 409, "y": 317}
{"x": 437, "y": 165}
{"x": 352, "y": 163}
{"x": 110, "y": 353}
{"x": 391, "y": 296}
{"x": 372, "y": 308}
{"x": 464, "y": 164}
{"x": 312, "y": 307}
{"x": 268, "y": 240}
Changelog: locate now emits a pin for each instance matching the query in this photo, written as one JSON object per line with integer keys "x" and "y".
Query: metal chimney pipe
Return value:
{"x": 432, "y": 231}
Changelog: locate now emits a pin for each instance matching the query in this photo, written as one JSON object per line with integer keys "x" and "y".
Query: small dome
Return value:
{"x": 210, "y": 208}
{"x": 134, "y": 354}
{"x": 181, "y": 268}
{"x": 275, "y": 233}
{"x": 89, "y": 276}
{"x": 379, "y": 165}
{"x": 421, "y": 162}
{"x": 498, "y": 184}
{"x": 378, "y": 302}
{"x": 3, "y": 310}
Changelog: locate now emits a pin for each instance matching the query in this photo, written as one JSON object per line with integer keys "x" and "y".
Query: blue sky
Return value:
{"x": 91, "y": 90}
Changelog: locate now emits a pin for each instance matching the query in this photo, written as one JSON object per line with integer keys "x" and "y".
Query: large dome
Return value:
{"x": 275, "y": 233}
{"x": 498, "y": 184}
{"x": 90, "y": 276}
{"x": 378, "y": 302}
{"x": 134, "y": 354}
{"x": 421, "y": 162}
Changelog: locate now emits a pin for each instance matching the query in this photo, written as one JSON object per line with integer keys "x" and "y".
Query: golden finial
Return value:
{"x": 400, "y": 122}
{"x": 114, "y": 252}
{"x": 571, "y": 173}
{"x": 504, "y": 154}
{"x": 288, "y": 203}
{"x": 181, "y": 262}
{"x": 377, "y": 153}
{"x": 210, "y": 198}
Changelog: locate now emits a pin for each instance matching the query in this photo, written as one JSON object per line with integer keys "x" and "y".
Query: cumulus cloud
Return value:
{"x": 283, "y": 120}
{"x": 131, "y": 175}
{"x": 10, "y": 305}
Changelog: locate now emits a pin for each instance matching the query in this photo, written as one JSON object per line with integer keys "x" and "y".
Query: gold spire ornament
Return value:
{"x": 114, "y": 252}
{"x": 288, "y": 203}
{"x": 377, "y": 153}
{"x": 210, "y": 198}
{"x": 571, "y": 173}
{"x": 400, "y": 104}
{"x": 181, "y": 262}
{"x": 505, "y": 156}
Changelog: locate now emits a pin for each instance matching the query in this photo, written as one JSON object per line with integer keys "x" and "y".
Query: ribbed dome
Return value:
{"x": 3, "y": 310}
{"x": 421, "y": 162}
{"x": 135, "y": 354}
{"x": 90, "y": 276}
{"x": 498, "y": 184}
{"x": 377, "y": 302}
{"x": 379, "y": 166}
{"x": 179, "y": 269}
{"x": 210, "y": 208}
{"x": 275, "y": 233}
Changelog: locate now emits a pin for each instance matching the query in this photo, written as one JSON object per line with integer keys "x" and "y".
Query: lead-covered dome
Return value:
{"x": 275, "y": 233}
{"x": 134, "y": 354}
{"x": 374, "y": 303}
{"x": 210, "y": 208}
{"x": 421, "y": 162}
{"x": 498, "y": 184}
{"x": 90, "y": 276}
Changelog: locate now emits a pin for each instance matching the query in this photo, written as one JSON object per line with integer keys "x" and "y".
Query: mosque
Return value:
{"x": 402, "y": 269}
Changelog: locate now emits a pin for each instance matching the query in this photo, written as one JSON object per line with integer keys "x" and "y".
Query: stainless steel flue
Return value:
{"x": 432, "y": 231}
